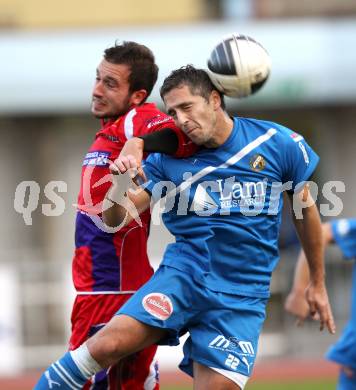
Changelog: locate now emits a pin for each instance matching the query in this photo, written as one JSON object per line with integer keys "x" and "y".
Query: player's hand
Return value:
{"x": 134, "y": 148}
{"x": 124, "y": 164}
{"x": 318, "y": 300}
{"x": 124, "y": 170}
{"x": 297, "y": 305}
{"x": 127, "y": 165}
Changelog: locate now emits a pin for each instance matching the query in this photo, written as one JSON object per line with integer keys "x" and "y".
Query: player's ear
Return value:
{"x": 215, "y": 99}
{"x": 138, "y": 97}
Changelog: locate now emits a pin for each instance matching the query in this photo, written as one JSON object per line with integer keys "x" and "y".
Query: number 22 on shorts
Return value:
{"x": 232, "y": 361}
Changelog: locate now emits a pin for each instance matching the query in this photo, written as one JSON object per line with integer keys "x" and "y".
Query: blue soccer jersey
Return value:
{"x": 344, "y": 234}
{"x": 344, "y": 351}
{"x": 223, "y": 205}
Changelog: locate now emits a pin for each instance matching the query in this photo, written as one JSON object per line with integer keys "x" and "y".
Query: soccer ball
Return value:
{"x": 238, "y": 66}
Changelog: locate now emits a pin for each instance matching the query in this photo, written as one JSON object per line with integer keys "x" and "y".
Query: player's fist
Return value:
{"x": 124, "y": 164}
{"x": 297, "y": 305}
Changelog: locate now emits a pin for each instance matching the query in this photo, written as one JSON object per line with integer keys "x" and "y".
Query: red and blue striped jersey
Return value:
{"x": 114, "y": 262}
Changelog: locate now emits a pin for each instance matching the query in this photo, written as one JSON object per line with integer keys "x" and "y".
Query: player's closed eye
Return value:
{"x": 110, "y": 84}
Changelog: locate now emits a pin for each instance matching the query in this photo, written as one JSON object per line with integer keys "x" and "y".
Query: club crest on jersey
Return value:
{"x": 158, "y": 305}
{"x": 257, "y": 162}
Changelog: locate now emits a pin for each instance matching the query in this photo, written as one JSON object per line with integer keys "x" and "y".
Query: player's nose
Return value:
{"x": 98, "y": 89}
{"x": 181, "y": 119}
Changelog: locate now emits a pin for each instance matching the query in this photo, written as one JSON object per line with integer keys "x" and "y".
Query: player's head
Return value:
{"x": 125, "y": 78}
{"x": 194, "y": 103}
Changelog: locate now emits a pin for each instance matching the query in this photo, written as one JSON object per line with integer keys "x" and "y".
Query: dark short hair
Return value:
{"x": 197, "y": 80}
{"x": 141, "y": 61}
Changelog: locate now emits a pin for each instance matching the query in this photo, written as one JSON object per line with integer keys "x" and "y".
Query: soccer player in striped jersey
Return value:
{"x": 108, "y": 267}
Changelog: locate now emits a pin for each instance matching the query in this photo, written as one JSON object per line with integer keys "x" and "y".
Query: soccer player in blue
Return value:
{"x": 342, "y": 232}
{"x": 223, "y": 206}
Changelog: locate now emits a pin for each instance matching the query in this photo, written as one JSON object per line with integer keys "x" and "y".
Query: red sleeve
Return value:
{"x": 147, "y": 121}
{"x": 186, "y": 147}
{"x": 155, "y": 120}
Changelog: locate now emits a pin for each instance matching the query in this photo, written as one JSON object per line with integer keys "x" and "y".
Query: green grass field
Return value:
{"x": 310, "y": 385}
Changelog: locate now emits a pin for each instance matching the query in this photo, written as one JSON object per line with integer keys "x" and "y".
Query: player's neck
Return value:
{"x": 223, "y": 129}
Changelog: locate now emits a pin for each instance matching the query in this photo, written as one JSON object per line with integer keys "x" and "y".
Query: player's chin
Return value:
{"x": 198, "y": 139}
{"x": 195, "y": 136}
{"x": 98, "y": 113}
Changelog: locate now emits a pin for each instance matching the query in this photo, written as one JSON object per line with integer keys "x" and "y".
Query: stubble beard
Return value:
{"x": 114, "y": 114}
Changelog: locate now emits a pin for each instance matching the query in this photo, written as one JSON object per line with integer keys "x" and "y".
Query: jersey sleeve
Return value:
{"x": 344, "y": 234}
{"x": 147, "y": 123}
{"x": 186, "y": 147}
{"x": 300, "y": 160}
{"x": 139, "y": 123}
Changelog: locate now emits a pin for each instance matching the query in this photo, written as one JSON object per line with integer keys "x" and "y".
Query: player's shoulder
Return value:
{"x": 144, "y": 116}
{"x": 151, "y": 115}
{"x": 284, "y": 140}
{"x": 149, "y": 110}
{"x": 261, "y": 125}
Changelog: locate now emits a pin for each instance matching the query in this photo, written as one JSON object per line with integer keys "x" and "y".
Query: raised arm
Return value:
{"x": 171, "y": 141}
{"x": 309, "y": 230}
{"x": 125, "y": 200}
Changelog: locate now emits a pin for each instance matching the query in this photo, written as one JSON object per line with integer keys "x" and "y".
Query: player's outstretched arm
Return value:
{"x": 309, "y": 230}
{"x": 171, "y": 141}
{"x": 162, "y": 141}
{"x": 296, "y": 302}
{"x": 125, "y": 200}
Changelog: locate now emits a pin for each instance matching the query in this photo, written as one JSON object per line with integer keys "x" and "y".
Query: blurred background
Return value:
{"x": 49, "y": 52}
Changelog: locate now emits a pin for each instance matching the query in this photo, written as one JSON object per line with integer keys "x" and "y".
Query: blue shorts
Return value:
{"x": 346, "y": 383}
{"x": 344, "y": 350}
{"x": 223, "y": 328}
